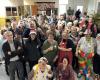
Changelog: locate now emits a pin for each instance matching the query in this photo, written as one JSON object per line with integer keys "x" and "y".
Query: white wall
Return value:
{"x": 28, "y": 2}
{"x": 8, "y": 3}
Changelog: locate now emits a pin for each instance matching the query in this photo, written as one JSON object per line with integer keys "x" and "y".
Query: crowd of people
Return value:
{"x": 55, "y": 48}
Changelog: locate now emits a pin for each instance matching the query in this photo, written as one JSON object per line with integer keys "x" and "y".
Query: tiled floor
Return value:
{"x": 3, "y": 75}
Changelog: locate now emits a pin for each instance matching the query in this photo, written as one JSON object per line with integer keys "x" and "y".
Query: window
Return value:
{"x": 11, "y": 11}
{"x": 8, "y": 11}
{"x": 14, "y": 11}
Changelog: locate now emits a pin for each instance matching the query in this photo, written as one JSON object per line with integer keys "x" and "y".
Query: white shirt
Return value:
{"x": 13, "y": 49}
{"x": 98, "y": 47}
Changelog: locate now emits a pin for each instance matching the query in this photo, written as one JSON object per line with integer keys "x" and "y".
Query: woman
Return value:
{"x": 65, "y": 71}
{"x": 2, "y": 40}
{"x": 50, "y": 48}
{"x": 41, "y": 71}
{"x": 65, "y": 48}
{"x": 74, "y": 37}
{"x": 75, "y": 24}
{"x": 85, "y": 53}
{"x": 32, "y": 49}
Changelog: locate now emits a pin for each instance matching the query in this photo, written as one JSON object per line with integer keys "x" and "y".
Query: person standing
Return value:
{"x": 77, "y": 14}
{"x": 32, "y": 49}
{"x": 96, "y": 60}
{"x": 49, "y": 48}
{"x": 85, "y": 51}
{"x": 70, "y": 13}
{"x": 12, "y": 49}
{"x": 65, "y": 48}
{"x": 2, "y": 40}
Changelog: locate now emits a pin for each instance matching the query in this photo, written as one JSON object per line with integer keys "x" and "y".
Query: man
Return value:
{"x": 77, "y": 14}
{"x": 12, "y": 49}
{"x": 70, "y": 12}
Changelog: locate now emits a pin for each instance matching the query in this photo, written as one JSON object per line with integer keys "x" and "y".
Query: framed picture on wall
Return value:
{"x": 43, "y": 6}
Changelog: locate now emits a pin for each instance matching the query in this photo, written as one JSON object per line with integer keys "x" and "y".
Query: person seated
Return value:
{"x": 41, "y": 71}
{"x": 65, "y": 71}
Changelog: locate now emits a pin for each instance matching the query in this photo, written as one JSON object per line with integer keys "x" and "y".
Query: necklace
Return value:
{"x": 37, "y": 71}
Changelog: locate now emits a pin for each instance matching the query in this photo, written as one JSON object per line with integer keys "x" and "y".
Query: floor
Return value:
{"x": 3, "y": 75}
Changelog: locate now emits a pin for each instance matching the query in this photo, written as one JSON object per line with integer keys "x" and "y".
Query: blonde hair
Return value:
{"x": 8, "y": 33}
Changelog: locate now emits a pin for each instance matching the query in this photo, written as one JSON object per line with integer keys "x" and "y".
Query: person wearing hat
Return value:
{"x": 32, "y": 49}
{"x": 85, "y": 52}
{"x": 41, "y": 71}
{"x": 96, "y": 61}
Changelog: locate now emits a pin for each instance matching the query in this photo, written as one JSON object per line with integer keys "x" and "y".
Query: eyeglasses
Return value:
{"x": 9, "y": 35}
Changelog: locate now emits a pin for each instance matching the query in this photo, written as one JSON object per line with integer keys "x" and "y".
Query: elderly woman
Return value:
{"x": 65, "y": 71}
{"x": 41, "y": 71}
{"x": 97, "y": 56}
{"x": 75, "y": 24}
{"x": 68, "y": 27}
{"x": 85, "y": 53}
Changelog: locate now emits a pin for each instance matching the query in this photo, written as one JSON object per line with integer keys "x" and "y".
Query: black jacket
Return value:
{"x": 6, "y": 48}
{"x": 32, "y": 49}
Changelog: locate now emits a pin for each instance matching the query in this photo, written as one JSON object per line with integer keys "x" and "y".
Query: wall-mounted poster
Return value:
{"x": 43, "y": 6}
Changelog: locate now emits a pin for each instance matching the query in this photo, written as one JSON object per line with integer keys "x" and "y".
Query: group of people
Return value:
{"x": 54, "y": 48}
